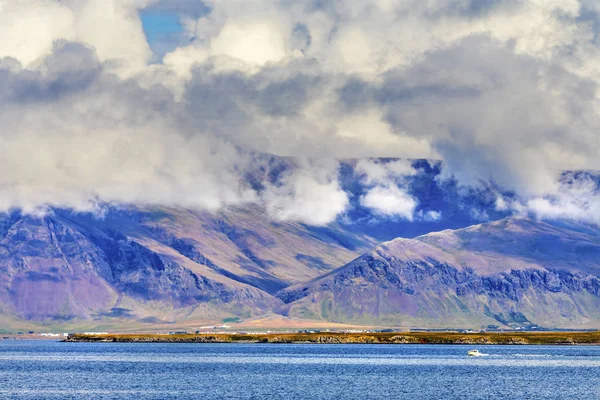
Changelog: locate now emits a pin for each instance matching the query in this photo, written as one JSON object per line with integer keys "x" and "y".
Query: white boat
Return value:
{"x": 474, "y": 353}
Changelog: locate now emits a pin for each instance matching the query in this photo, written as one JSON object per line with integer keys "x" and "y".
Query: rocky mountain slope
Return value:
{"x": 151, "y": 265}
{"x": 513, "y": 272}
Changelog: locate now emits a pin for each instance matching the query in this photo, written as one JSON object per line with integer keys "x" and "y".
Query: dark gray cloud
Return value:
{"x": 490, "y": 112}
{"x": 69, "y": 69}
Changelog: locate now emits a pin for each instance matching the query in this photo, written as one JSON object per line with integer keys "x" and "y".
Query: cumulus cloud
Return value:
{"x": 578, "y": 198}
{"x": 376, "y": 172}
{"x": 33, "y": 26}
{"x": 494, "y": 115}
{"x": 29, "y": 28}
{"x": 74, "y": 138}
{"x": 309, "y": 193}
{"x": 432, "y": 216}
{"x": 387, "y": 194}
{"x": 503, "y": 91}
{"x": 390, "y": 201}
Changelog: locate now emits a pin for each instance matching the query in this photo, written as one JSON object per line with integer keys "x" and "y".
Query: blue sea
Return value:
{"x": 54, "y": 370}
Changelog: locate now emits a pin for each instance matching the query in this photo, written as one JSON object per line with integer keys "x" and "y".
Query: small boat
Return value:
{"x": 474, "y": 353}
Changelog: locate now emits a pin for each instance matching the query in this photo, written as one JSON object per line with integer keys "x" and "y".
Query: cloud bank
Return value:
{"x": 503, "y": 91}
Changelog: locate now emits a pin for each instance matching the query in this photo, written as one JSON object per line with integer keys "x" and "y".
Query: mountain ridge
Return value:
{"x": 155, "y": 265}
{"x": 139, "y": 266}
{"x": 421, "y": 283}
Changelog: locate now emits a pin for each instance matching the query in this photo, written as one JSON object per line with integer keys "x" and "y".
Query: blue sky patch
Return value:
{"x": 163, "y": 30}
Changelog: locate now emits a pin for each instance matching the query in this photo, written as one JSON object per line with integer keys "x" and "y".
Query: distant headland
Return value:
{"x": 485, "y": 338}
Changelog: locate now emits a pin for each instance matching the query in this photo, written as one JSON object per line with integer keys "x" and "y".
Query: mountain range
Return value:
{"x": 140, "y": 267}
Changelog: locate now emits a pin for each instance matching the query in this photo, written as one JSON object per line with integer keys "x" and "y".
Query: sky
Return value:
{"x": 169, "y": 101}
{"x": 163, "y": 31}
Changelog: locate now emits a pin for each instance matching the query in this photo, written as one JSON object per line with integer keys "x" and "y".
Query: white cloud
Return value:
{"x": 390, "y": 201}
{"x": 577, "y": 200}
{"x": 29, "y": 28}
{"x": 310, "y": 194}
{"x": 375, "y": 172}
{"x": 382, "y": 139}
{"x": 255, "y": 42}
{"x": 114, "y": 29}
{"x": 430, "y": 216}
{"x": 76, "y": 137}
{"x": 387, "y": 195}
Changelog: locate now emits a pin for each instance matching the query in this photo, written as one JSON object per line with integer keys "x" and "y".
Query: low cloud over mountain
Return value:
{"x": 500, "y": 91}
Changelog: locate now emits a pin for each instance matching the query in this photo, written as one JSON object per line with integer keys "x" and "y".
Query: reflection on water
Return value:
{"x": 52, "y": 370}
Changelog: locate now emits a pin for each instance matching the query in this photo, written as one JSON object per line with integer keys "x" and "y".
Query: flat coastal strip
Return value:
{"x": 502, "y": 338}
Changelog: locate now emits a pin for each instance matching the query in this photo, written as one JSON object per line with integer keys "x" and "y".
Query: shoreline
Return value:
{"x": 500, "y": 338}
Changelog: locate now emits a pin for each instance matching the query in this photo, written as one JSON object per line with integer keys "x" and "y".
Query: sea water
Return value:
{"x": 54, "y": 370}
